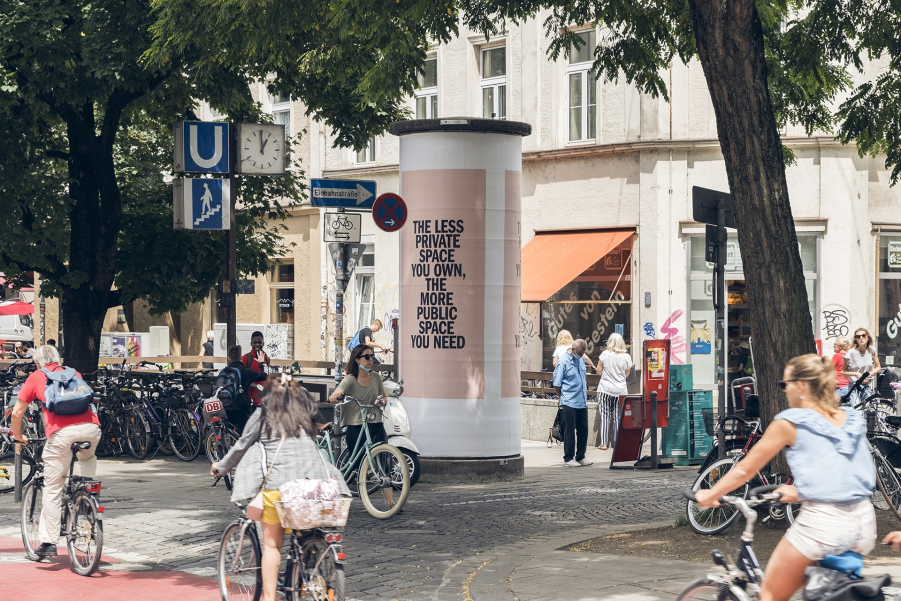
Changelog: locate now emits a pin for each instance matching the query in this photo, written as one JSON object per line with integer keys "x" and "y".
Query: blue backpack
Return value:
{"x": 354, "y": 342}
{"x": 232, "y": 392}
{"x": 66, "y": 392}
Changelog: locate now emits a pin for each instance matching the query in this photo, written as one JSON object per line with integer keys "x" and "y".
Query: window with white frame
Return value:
{"x": 281, "y": 114}
{"x": 366, "y": 154}
{"x": 365, "y": 271}
{"x": 582, "y": 87}
{"x": 494, "y": 83}
{"x": 281, "y": 293}
{"x": 427, "y": 92}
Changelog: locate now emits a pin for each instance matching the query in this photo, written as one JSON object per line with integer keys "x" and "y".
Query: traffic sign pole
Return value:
{"x": 231, "y": 315}
{"x": 340, "y": 274}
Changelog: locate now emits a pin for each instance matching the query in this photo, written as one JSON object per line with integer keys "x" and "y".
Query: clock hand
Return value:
{"x": 263, "y": 146}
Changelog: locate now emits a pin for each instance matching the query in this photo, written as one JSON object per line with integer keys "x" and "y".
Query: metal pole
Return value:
{"x": 340, "y": 275}
{"x": 720, "y": 307}
{"x": 43, "y": 318}
{"x": 17, "y": 491}
{"x": 231, "y": 313}
{"x": 654, "y": 430}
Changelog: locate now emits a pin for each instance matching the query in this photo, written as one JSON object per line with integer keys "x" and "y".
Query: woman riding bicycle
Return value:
{"x": 364, "y": 385}
{"x": 827, "y": 451}
{"x": 285, "y": 429}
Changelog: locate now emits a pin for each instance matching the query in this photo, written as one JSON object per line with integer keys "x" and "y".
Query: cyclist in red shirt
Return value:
{"x": 258, "y": 361}
{"x": 61, "y": 432}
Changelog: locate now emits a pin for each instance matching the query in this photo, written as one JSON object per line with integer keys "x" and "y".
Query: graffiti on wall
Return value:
{"x": 649, "y": 330}
{"x": 677, "y": 341}
{"x": 529, "y": 340}
{"x": 835, "y": 321}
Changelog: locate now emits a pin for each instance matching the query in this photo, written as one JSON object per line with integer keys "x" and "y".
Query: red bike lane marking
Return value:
{"x": 55, "y": 581}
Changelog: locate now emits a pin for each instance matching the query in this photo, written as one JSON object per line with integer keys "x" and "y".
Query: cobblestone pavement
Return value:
{"x": 163, "y": 515}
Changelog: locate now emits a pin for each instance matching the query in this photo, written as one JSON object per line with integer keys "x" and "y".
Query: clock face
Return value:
{"x": 261, "y": 149}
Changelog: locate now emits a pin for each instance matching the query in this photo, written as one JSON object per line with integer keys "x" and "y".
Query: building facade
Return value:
{"x": 608, "y": 239}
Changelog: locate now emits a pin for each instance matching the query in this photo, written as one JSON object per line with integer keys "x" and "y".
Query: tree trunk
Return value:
{"x": 95, "y": 218}
{"x": 730, "y": 45}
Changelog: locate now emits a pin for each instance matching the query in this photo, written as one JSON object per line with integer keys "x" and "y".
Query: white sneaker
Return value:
{"x": 585, "y": 462}
{"x": 572, "y": 463}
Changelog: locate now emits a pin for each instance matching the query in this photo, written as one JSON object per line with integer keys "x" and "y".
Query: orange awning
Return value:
{"x": 552, "y": 260}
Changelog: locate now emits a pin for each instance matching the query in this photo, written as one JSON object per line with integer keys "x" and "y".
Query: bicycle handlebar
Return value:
{"x": 756, "y": 496}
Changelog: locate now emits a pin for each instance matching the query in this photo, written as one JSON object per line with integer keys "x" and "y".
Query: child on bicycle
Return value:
{"x": 827, "y": 450}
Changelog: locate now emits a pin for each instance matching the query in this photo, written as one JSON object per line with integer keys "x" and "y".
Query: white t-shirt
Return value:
{"x": 613, "y": 376}
{"x": 859, "y": 363}
{"x": 561, "y": 350}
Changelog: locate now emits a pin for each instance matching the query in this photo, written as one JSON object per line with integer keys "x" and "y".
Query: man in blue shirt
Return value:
{"x": 572, "y": 390}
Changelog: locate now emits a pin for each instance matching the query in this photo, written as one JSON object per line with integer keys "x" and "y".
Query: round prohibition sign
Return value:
{"x": 389, "y": 211}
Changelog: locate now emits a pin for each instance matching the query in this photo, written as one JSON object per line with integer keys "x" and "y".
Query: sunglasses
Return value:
{"x": 366, "y": 357}
{"x": 783, "y": 384}
{"x": 861, "y": 336}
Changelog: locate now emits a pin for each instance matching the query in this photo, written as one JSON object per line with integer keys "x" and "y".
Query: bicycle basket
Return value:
{"x": 205, "y": 384}
{"x": 306, "y": 514}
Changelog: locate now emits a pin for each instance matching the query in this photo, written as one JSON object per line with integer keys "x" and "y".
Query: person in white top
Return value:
{"x": 564, "y": 343}
{"x": 614, "y": 366}
{"x": 861, "y": 361}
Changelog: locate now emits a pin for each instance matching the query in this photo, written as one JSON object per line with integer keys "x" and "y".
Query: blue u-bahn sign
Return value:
{"x": 201, "y": 147}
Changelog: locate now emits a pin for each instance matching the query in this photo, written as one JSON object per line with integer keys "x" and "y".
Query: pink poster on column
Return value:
{"x": 443, "y": 283}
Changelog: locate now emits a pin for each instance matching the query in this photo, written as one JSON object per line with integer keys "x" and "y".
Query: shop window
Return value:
{"x": 281, "y": 294}
{"x": 582, "y": 90}
{"x": 888, "y": 300}
{"x": 427, "y": 92}
{"x": 494, "y": 83}
{"x": 701, "y": 325}
{"x": 593, "y": 306}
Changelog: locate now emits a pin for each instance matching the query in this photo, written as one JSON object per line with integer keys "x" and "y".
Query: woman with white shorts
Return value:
{"x": 826, "y": 447}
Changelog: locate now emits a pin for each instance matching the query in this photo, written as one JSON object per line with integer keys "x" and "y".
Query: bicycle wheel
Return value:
{"x": 85, "y": 540}
{"x": 375, "y": 481}
{"x": 888, "y": 483}
{"x": 185, "y": 435}
{"x": 32, "y": 497}
{"x": 138, "y": 437}
{"x": 322, "y": 578}
{"x": 238, "y": 570}
{"x": 784, "y": 511}
{"x": 713, "y": 520}
{"x": 705, "y": 589}
{"x": 8, "y": 471}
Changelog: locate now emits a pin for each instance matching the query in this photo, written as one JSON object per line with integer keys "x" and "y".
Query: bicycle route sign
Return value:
{"x": 342, "y": 227}
{"x": 389, "y": 212}
{"x": 343, "y": 193}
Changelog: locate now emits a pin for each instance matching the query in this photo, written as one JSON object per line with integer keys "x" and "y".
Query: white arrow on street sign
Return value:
{"x": 342, "y": 227}
{"x": 350, "y": 194}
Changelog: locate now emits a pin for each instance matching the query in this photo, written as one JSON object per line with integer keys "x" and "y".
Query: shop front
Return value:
{"x": 579, "y": 281}
{"x": 888, "y": 299}
{"x": 702, "y": 326}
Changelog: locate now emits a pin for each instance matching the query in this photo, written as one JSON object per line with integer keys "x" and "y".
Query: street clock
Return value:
{"x": 261, "y": 149}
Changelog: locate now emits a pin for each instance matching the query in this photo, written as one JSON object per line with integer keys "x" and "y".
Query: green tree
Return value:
{"x": 86, "y": 112}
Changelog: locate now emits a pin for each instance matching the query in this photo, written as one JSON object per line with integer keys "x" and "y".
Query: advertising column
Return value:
{"x": 460, "y": 284}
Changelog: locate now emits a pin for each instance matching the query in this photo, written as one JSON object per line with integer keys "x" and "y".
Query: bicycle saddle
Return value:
{"x": 893, "y": 420}
{"x": 81, "y": 445}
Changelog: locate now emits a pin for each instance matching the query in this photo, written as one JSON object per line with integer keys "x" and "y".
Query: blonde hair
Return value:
{"x": 377, "y": 322}
{"x": 616, "y": 343}
{"x": 869, "y": 339}
{"x": 564, "y": 338}
{"x": 844, "y": 342}
{"x": 819, "y": 373}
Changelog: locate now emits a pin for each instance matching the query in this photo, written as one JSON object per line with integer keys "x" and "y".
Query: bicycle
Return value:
{"x": 382, "y": 465}
{"x": 81, "y": 518}
{"x": 314, "y": 568}
{"x": 222, "y": 435}
{"x": 707, "y": 520}
{"x": 342, "y": 221}
{"x": 743, "y": 581}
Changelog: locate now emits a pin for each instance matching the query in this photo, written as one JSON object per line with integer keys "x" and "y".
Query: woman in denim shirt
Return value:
{"x": 826, "y": 447}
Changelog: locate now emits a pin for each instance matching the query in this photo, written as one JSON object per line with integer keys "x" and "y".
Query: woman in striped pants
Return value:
{"x": 614, "y": 366}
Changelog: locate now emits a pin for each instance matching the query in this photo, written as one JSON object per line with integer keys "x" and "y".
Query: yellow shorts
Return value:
{"x": 270, "y": 513}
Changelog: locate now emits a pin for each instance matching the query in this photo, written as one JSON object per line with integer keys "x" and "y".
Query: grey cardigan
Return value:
{"x": 298, "y": 458}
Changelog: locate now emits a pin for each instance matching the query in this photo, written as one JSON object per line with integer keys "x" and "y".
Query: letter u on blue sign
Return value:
{"x": 206, "y": 147}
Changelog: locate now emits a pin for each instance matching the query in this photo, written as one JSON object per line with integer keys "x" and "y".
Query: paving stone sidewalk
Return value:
{"x": 451, "y": 542}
